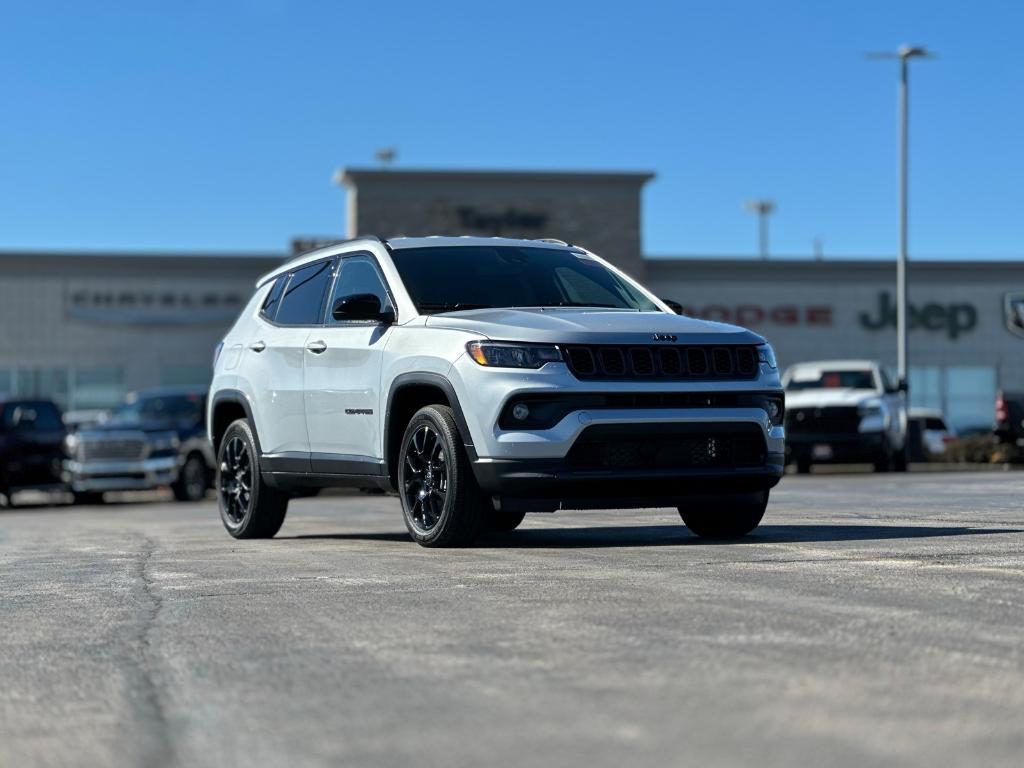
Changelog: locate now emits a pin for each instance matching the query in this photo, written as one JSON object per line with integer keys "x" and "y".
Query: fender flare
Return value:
{"x": 431, "y": 379}
{"x": 236, "y": 397}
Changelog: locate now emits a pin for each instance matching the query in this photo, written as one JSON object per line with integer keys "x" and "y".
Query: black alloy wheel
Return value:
{"x": 441, "y": 501}
{"x": 236, "y": 480}
{"x": 249, "y": 508}
{"x": 425, "y": 480}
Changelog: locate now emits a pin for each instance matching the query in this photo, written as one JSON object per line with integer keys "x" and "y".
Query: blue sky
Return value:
{"x": 217, "y": 125}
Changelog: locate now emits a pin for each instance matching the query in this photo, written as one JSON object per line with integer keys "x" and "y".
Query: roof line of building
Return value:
{"x": 347, "y": 175}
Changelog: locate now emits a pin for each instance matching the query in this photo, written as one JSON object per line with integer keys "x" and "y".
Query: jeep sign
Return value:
{"x": 953, "y": 319}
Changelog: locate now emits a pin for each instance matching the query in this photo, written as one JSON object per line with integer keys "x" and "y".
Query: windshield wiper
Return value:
{"x": 456, "y": 307}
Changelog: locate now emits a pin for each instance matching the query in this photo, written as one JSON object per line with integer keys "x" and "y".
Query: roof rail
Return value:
{"x": 554, "y": 240}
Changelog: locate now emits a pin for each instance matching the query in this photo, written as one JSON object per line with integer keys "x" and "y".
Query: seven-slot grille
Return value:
{"x": 664, "y": 362}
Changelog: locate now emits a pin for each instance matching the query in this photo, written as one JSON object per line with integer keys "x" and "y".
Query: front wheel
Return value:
{"x": 249, "y": 508}
{"x": 441, "y": 502}
{"x": 726, "y": 516}
{"x": 191, "y": 483}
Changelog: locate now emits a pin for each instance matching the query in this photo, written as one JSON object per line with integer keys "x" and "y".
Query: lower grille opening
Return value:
{"x": 668, "y": 446}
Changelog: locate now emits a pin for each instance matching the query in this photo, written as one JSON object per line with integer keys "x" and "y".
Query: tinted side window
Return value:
{"x": 32, "y": 417}
{"x": 273, "y": 299}
{"x": 303, "y": 300}
{"x": 359, "y": 275}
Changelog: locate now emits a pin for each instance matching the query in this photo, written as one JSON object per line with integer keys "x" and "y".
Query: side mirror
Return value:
{"x": 361, "y": 306}
{"x": 674, "y": 305}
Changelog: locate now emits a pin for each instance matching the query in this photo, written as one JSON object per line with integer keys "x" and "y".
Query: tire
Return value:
{"x": 899, "y": 460}
{"x": 88, "y": 498}
{"x": 803, "y": 466}
{"x": 883, "y": 463}
{"x": 441, "y": 502}
{"x": 498, "y": 521}
{"x": 724, "y": 517}
{"x": 249, "y": 508}
{"x": 192, "y": 480}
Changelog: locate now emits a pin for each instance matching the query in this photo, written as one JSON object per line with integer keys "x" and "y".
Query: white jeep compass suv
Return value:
{"x": 482, "y": 378}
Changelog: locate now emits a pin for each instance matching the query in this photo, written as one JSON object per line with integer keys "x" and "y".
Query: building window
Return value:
{"x": 965, "y": 394}
{"x": 185, "y": 375}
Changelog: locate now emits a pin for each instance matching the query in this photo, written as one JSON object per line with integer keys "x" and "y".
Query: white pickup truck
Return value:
{"x": 845, "y": 411}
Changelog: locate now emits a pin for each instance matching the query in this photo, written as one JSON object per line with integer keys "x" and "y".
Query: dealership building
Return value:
{"x": 85, "y": 328}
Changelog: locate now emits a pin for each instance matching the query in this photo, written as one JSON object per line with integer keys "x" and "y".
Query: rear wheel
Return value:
{"x": 803, "y": 466}
{"x": 441, "y": 502}
{"x": 192, "y": 480}
{"x": 249, "y": 508}
{"x": 726, "y": 516}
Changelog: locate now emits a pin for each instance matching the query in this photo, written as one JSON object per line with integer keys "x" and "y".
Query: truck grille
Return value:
{"x": 102, "y": 450}
{"x": 661, "y": 362}
{"x": 667, "y": 446}
{"x": 830, "y": 420}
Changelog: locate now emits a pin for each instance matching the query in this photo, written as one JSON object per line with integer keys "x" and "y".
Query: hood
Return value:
{"x": 820, "y": 398}
{"x": 114, "y": 429}
{"x": 589, "y": 326}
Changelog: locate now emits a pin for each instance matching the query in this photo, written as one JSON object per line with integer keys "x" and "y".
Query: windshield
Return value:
{"x": 831, "y": 380}
{"x": 166, "y": 408}
{"x": 480, "y": 277}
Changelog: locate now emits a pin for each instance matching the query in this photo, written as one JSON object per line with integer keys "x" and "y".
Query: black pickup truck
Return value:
{"x": 156, "y": 438}
{"x": 31, "y": 447}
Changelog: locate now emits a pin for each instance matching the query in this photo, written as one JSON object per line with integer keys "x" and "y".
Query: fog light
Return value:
{"x": 773, "y": 411}
{"x": 520, "y": 412}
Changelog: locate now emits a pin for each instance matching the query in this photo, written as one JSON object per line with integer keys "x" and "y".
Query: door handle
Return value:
{"x": 317, "y": 347}
{"x": 257, "y": 346}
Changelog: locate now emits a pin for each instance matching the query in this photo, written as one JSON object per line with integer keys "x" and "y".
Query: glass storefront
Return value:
{"x": 965, "y": 394}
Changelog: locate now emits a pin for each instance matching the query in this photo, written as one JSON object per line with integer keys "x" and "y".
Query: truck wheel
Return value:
{"x": 884, "y": 463}
{"x": 724, "y": 517}
{"x": 191, "y": 484}
{"x": 499, "y": 521}
{"x": 899, "y": 460}
{"x": 803, "y": 466}
{"x": 88, "y": 498}
{"x": 249, "y": 508}
{"x": 441, "y": 502}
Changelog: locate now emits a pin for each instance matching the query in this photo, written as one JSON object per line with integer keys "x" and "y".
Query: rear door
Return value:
{"x": 275, "y": 358}
{"x": 343, "y": 370}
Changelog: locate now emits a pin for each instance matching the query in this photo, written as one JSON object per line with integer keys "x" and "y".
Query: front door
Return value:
{"x": 343, "y": 371}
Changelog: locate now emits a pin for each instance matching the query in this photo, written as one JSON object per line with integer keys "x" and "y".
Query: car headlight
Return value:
{"x": 766, "y": 355}
{"x": 501, "y": 354}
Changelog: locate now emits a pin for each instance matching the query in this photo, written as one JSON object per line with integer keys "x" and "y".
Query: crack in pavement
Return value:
{"x": 160, "y": 749}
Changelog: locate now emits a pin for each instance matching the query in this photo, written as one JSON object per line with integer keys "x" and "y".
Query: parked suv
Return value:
{"x": 31, "y": 450}
{"x": 483, "y": 378}
{"x": 845, "y": 411}
{"x": 156, "y": 438}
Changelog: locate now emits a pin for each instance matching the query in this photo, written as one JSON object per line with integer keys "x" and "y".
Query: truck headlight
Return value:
{"x": 766, "y": 355}
{"x": 501, "y": 354}
{"x": 874, "y": 416}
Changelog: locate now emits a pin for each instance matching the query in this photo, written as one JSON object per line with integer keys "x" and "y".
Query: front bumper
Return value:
{"x": 849, "y": 448}
{"x": 548, "y": 485}
{"x": 141, "y": 474}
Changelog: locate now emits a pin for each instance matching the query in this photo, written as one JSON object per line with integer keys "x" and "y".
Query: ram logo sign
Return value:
{"x": 1014, "y": 303}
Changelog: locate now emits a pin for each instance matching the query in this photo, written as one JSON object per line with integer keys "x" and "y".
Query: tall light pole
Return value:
{"x": 905, "y": 53}
{"x": 763, "y": 209}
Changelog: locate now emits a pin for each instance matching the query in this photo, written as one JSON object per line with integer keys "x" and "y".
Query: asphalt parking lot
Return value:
{"x": 871, "y": 620}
